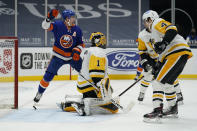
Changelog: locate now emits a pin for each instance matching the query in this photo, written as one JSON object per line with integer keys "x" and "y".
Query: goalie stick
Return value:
{"x": 130, "y": 105}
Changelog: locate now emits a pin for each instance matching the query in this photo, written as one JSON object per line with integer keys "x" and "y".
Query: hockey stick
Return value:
{"x": 112, "y": 100}
{"x": 131, "y": 104}
{"x": 131, "y": 86}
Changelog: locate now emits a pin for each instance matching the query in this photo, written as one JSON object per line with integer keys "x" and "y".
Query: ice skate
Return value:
{"x": 37, "y": 97}
{"x": 155, "y": 116}
{"x": 171, "y": 112}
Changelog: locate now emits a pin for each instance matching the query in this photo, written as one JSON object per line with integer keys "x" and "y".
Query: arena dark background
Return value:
{"x": 182, "y": 21}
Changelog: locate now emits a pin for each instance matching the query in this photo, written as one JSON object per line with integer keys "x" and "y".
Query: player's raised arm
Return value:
{"x": 46, "y": 24}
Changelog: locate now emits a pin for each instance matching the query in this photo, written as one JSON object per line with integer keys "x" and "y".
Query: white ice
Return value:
{"x": 49, "y": 117}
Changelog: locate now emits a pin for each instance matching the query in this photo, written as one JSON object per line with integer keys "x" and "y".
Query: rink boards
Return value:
{"x": 122, "y": 64}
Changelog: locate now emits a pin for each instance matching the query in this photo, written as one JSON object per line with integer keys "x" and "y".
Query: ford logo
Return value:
{"x": 123, "y": 60}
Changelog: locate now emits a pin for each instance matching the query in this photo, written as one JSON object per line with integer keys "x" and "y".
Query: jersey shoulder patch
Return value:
{"x": 161, "y": 25}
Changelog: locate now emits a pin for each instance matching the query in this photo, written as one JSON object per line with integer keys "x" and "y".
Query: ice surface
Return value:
{"x": 49, "y": 117}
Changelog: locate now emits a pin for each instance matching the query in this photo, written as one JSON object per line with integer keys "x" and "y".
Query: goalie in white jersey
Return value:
{"x": 173, "y": 55}
{"x": 94, "y": 70}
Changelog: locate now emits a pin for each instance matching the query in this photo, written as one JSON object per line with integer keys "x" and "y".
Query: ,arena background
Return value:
{"x": 122, "y": 64}
{"x": 123, "y": 20}
{"x": 121, "y": 24}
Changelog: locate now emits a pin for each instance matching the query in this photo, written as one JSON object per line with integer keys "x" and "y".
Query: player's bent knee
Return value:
{"x": 48, "y": 76}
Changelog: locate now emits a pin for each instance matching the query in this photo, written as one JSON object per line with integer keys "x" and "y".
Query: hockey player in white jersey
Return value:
{"x": 173, "y": 55}
{"x": 94, "y": 70}
{"x": 149, "y": 62}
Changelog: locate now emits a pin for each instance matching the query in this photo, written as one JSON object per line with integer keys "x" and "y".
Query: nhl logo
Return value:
{"x": 26, "y": 61}
{"x": 66, "y": 41}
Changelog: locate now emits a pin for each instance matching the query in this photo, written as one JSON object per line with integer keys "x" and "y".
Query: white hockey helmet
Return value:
{"x": 150, "y": 14}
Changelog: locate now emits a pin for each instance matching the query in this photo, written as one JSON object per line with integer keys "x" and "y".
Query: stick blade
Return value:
{"x": 129, "y": 107}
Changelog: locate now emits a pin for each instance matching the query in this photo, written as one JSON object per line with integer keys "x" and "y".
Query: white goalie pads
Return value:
{"x": 106, "y": 92}
{"x": 91, "y": 105}
{"x": 74, "y": 99}
{"x": 94, "y": 106}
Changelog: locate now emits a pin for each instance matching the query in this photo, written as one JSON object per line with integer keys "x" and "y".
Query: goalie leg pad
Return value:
{"x": 69, "y": 100}
{"x": 99, "y": 106}
{"x": 105, "y": 89}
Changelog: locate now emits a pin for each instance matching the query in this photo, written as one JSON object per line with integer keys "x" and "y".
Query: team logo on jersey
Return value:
{"x": 123, "y": 60}
{"x": 66, "y": 41}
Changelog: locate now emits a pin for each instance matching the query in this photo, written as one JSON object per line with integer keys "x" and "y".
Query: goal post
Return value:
{"x": 8, "y": 72}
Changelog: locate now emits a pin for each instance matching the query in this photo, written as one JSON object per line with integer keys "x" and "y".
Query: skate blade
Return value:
{"x": 35, "y": 106}
{"x": 172, "y": 116}
{"x": 140, "y": 102}
{"x": 129, "y": 107}
{"x": 156, "y": 120}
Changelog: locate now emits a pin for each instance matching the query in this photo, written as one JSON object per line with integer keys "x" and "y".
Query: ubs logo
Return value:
{"x": 66, "y": 41}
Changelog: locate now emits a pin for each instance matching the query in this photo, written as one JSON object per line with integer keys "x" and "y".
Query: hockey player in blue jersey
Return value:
{"x": 66, "y": 49}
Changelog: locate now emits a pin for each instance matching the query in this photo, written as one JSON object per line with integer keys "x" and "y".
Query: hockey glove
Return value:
{"x": 76, "y": 53}
{"x": 146, "y": 66}
{"x": 52, "y": 14}
{"x": 76, "y": 61}
{"x": 159, "y": 47}
{"x": 76, "y": 64}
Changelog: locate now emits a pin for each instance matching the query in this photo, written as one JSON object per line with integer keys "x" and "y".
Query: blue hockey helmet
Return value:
{"x": 68, "y": 14}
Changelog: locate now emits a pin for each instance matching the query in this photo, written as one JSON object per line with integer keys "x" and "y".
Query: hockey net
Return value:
{"x": 8, "y": 72}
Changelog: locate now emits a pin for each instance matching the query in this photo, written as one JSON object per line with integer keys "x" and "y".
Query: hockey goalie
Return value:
{"x": 93, "y": 82}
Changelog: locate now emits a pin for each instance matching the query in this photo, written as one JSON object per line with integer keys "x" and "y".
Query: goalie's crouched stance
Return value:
{"x": 93, "y": 72}
{"x": 92, "y": 102}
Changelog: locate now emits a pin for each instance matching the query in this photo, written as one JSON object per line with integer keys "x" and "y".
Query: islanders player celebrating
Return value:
{"x": 66, "y": 49}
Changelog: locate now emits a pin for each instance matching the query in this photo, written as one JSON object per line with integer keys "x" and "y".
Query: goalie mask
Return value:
{"x": 98, "y": 39}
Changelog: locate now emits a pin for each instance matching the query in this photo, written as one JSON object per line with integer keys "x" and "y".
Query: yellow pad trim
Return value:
{"x": 170, "y": 97}
{"x": 157, "y": 95}
{"x": 85, "y": 90}
{"x": 145, "y": 83}
{"x": 84, "y": 82}
{"x": 69, "y": 109}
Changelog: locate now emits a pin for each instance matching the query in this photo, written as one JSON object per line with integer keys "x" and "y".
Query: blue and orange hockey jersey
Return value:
{"x": 65, "y": 39}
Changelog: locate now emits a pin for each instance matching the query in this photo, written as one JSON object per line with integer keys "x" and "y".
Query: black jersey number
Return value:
{"x": 98, "y": 64}
{"x": 163, "y": 24}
